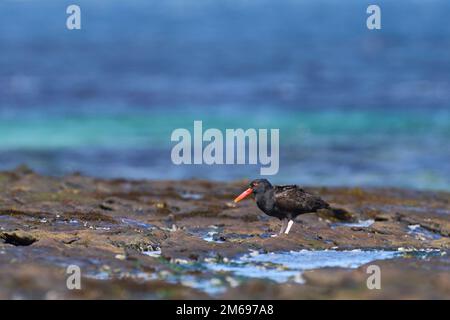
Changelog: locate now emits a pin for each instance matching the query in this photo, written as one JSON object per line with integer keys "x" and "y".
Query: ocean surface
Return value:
{"x": 354, "y": 107}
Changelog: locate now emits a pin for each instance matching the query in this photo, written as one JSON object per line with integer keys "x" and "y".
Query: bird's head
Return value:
{"x": 256, "y": 186}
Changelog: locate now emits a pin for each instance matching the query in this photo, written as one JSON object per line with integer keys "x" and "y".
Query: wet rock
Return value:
{"x": 148, "y": 239}
{"x": 17, "y": 238}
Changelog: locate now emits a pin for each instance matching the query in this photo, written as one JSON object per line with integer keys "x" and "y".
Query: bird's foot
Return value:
{"x": 274, "y": 235}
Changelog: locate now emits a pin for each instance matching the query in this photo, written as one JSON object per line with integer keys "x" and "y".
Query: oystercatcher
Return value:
{"x": 283, "y": 202}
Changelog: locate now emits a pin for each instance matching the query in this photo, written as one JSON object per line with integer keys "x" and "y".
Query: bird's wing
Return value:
{"x": 295, "y": 199}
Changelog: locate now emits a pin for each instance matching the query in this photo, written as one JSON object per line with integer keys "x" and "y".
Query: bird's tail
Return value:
{"x": 338, "y": 214}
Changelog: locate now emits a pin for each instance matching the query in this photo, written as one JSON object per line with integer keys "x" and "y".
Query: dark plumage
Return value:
{"x": 283, "y": 202}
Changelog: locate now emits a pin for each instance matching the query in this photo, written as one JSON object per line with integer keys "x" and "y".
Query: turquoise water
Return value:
{"x": 43, "y": 130}
{"x": 350, "y": 147}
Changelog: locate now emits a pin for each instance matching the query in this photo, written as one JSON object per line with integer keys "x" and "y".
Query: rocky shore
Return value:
{"x": 184, "y": 239}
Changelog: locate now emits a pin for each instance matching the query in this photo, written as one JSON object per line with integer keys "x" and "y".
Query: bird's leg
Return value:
{"x": 291, "y": 222}
{"x": 283, "y": 226}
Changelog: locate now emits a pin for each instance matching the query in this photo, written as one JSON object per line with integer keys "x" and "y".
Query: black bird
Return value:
{"x": 283, "y": 202}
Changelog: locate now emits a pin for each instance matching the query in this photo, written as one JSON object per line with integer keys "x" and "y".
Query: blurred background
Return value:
{"x": 354, "y": 106}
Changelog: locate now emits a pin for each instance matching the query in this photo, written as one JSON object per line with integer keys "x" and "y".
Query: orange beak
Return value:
{"x": 244, "y": 194}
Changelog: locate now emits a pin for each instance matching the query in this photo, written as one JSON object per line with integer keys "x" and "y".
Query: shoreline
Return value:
{"x": 135, "y": 232}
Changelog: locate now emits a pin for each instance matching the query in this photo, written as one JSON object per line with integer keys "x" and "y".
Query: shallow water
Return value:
{"x": 360, "y": 223}
{"x": 153, "y": 253}
{"x": 287, "y": 266}
{"x": 279, "y": 267}
{"x": 215, "y": 277}
{"x": 208, "y": 234}
{"x": 210, "y": 237}
{"x": 421, "y": 233}
{"x": 191, "y": 196}
{"x": 137, "y": 224}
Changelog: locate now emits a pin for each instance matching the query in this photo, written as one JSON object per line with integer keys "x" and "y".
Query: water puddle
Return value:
{"x": 191, "y": 196}
{"x": 215, "y": 234}
{"x": 76, "y": 224}
{"x": 288, "y": 266}
{"x": 107, "y": 275}
{"x": 279, "y": 267}
{"x": 154, "y": 253}
{"x": 212, "y": 286}
{"x": 137, "y": 224}
{"x": 421, "y": 233}
{"x": 209, "y": 234}
{"x": 360, "y": 224}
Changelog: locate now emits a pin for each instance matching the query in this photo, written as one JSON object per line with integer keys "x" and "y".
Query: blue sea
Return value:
{"x": 354, "y": 107}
